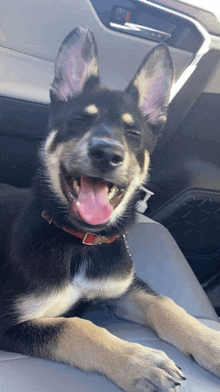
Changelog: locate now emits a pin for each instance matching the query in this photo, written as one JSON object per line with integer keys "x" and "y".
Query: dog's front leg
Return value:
{"x": 172, "y": 324}
{"x": 82, "y": 344}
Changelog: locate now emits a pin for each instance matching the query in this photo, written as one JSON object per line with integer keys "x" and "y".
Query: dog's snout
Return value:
{"x": 106, "y": 153}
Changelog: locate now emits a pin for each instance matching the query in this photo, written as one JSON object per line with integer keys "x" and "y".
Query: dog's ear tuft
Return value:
{"x": 152, "y": 84}
{"x": 76, "y": 62}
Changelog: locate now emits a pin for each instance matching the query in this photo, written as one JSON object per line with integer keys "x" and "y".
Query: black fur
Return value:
{"x": 32, "y": 340}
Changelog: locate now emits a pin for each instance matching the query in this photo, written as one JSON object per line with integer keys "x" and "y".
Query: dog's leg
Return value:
{"x": 80, "y": 343}
{"x": 172, "y": 324}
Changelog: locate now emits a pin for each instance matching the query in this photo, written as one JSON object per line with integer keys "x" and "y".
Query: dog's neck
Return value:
{"x": 87, "y": 238}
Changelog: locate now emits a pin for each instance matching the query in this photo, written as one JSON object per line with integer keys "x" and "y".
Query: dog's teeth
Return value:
{"x": 75, "y": 186}
{"x": 112, "y": 192}
{"x": 71, "y": 195}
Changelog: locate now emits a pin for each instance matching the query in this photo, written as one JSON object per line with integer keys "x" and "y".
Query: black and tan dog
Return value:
{"x": 63, "y": 246}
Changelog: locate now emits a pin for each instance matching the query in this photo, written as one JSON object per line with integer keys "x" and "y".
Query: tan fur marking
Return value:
{"x": 138, "y": 178}
{"x": 90, "y": 347}
{"x": 52, "y": 163}
{"x": 91, "y": 109}
{"x": 83, "y": 344}
{"x": 49, "y": 141}
{"x": 174, "y": 325}
{"x": 92, "y": 68}
{"x": 127, "y": 118}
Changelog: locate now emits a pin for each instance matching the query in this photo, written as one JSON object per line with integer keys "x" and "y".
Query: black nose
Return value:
{"x": 106, "y": 153}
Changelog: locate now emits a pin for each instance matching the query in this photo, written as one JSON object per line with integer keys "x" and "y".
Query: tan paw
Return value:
{"x": 142, "y": 369}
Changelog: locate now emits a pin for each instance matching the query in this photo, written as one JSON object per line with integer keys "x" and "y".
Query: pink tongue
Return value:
{"x": 92, "y": 202}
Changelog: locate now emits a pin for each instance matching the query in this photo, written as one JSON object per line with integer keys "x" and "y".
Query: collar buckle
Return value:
{"x": 89, "y": 239}
{"x": 94, "y": 239}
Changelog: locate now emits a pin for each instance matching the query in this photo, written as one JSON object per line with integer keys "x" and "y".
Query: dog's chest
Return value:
{"x": 57, "y": 302}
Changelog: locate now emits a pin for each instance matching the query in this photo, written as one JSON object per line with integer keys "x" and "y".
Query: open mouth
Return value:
{"x": 91, "y": 199}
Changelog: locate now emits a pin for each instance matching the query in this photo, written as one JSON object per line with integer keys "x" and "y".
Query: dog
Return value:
{"x": 63, "y": 246}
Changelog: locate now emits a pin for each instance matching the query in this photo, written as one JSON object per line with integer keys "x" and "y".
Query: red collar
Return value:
{"x": 87, "y": 238}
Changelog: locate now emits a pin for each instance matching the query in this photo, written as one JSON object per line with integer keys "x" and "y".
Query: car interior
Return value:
{"x": 175, "y": 242}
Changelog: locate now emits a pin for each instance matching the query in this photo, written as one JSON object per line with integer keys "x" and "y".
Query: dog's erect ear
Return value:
{"x": 76, "y": 62}
{"x": 152, "y": 83}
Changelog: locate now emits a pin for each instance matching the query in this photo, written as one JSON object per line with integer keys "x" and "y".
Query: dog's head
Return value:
{"x": 97, "y": 153}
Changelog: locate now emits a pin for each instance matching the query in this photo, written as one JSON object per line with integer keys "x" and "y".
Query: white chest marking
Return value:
{"x": 57, "y": 302}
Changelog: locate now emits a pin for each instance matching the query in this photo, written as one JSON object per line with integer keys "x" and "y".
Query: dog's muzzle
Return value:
{"x": 92, "y": 192}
